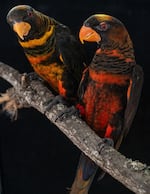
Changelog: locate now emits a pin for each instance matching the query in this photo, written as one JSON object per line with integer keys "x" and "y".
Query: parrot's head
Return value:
{"x": 107, "y": 31}
{"x": 26, "y": 22}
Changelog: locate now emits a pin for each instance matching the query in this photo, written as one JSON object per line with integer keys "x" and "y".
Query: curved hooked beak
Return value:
{"x": 22, "y": 29}
{"x": 88, "y": 34}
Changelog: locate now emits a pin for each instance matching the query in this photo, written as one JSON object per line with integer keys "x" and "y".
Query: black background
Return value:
{"x": 35, "y": 156}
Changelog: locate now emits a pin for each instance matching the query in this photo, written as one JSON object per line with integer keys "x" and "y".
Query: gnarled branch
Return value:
{"x": 133, "y": 174}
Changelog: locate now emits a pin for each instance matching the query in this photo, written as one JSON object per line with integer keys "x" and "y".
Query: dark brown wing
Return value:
{"x": 73, "y": 58}
{"x": 71, "y": 51}
{"x": 83, "y": 84}
{"x": 133, "y": 101}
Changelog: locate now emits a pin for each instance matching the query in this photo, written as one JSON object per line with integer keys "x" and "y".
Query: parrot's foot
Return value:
{"x": 56, "y": 100}
{"x": 68, "y": 112}
{"x": 77, "y": 110}
{"x": 109, "y": 142}
{"x": 106, "y": 141}
{"x": 27, "y": 78}
{"x": 34, "y": 76}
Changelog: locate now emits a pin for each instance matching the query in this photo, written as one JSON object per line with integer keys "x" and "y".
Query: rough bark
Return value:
{"x": 132, "y": 174}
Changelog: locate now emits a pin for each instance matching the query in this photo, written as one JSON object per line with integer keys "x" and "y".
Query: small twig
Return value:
{"x": 133, "y": 174}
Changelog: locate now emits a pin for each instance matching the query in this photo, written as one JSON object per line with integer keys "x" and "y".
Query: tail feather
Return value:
{"x": 85, "y": 174}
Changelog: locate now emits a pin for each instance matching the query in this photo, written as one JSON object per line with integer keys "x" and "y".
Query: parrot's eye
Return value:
{"x": 103, "y": 26}
{"x": 30, "y": 12}
{"x": 87, "y": 24}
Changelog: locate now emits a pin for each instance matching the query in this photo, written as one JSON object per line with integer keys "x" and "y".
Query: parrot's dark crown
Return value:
{"x": 20, "y": 12}
{"x": 98, "y": 18}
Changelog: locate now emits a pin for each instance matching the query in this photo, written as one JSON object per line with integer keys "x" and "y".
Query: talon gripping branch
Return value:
{"x": 51, "y": 49}
{"x": 109, "y": 90}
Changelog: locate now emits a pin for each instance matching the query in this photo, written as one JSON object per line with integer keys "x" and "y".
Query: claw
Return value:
{"x": 68, "y": 112}
{"x": 107, "y": 141}
{"x": 27, "y": 78}
{"x": 33, "y": 76}
{"x": 56, "y": 100}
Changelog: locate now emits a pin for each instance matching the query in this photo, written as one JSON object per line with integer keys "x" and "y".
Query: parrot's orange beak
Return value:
{"x": 88, "y": 34}
{"x": 22, "y": 29}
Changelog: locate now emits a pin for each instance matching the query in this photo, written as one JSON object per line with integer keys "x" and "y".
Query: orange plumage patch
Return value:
{"x": 51, "y": 73}
{"x": 101, "y": 106}
{"x": 62, "y": 90}
{"x": 109, "y": 131}
{"x": 104, "y": 77}
{"x": 38, "y": 59}
{"x": 81, "y": 109}
{"x": 114, "y": 53}
{"x": 129, "y": 90}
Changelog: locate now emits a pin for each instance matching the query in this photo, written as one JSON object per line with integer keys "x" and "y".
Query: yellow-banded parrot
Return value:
{"x": 54, "y": 53}
{"x": 110, "y": 88}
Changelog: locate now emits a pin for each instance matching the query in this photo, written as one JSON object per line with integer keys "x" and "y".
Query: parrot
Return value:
{"x": 55, "y": 54}
{"x": 109, "y": 91}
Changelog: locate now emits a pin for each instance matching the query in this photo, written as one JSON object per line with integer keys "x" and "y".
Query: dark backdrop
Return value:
{"x": 35, "y": 156}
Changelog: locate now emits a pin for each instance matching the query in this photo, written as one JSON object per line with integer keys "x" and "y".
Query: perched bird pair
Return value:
{"x": 108, "y": 89}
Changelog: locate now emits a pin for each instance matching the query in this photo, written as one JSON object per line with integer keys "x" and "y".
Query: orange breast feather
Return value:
{"x": 51, "y": 73}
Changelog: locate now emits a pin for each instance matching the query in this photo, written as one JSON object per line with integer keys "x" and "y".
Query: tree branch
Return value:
{"x": 133, "y": 174}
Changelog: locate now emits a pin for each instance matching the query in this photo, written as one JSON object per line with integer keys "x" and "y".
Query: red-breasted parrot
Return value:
{"x": 110, "y": 88}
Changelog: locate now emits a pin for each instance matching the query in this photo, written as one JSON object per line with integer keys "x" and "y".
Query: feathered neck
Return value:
{"x": 114, "y": 60}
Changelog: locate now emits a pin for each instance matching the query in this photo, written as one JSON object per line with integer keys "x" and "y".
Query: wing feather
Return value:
{"x": 137, "y": 79}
